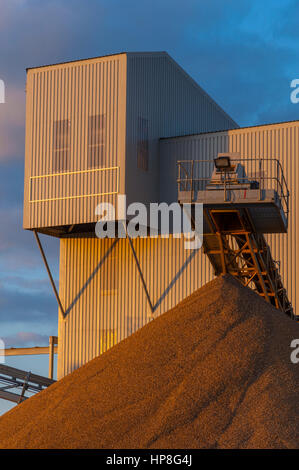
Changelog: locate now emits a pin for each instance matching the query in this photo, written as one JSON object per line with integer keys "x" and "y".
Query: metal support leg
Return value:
{"x": 52, "y": 342}
{"x": 224, "y": 270}
{"x": 139, "y": 270}
{"x": 49, "y": 273}
{"x": 256, "y": 264}
{"x": 26, "y": 380}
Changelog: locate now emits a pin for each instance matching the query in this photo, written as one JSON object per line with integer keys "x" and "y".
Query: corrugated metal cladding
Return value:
{"x": 66, "y": 155}
{"x": 86, "y": 123}
{"x": 103, "y": 296}
{"x": 279, "y": 141}
{"x": 171, "y": 103}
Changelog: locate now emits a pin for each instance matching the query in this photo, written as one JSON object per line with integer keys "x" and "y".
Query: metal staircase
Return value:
{"x": 238, "y": 210}
{"x": 246, "y": 255}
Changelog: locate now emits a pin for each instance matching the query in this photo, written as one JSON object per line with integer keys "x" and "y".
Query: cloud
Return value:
{"x": 243, "y": 60}
{"x": 11, "y": 183}
{"x": 12, "y": 119}
{"x": 25, "y": 339}
{"x": 27, "y": 307}
{"x": 242, "y": 53}
{"x": 18, "y": 248}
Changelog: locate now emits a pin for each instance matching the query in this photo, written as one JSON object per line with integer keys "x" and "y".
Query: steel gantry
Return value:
{"x": 238, "y": 210}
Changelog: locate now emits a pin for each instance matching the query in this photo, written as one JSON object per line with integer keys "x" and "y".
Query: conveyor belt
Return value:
{"x": 240, "y": 251}
{"x": 20, "y": 380}
{"x": 238, "y": 211}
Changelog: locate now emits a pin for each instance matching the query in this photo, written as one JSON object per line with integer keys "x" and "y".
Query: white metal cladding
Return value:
{"x": 194, "y": 147}
{"x": 73, "y": 92}
{"x": 161, "y": 92}
{"x": 279, "y": 141}
{"x": 104, "y": 297}
{"x": 119, "y": 92}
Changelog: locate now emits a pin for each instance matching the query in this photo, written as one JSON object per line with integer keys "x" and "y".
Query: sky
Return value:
{"x": 243, "y": 53}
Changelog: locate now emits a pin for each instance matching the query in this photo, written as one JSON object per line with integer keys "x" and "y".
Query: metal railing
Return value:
{"x": 194, "y": 175}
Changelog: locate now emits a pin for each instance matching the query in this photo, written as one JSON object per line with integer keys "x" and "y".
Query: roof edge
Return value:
{"x": 75, "y": 61}
{"x": 97, "y": 57}
{"x": 230, "y": 129}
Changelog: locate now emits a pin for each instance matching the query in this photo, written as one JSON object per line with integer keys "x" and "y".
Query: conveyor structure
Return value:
{"x": 15, "y": 383}
{"x": 243, "y": 199}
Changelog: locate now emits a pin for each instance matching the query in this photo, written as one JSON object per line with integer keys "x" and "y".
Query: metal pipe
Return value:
{"x": 139, "y": 270}
{"x": 192, "y": 174}
{"x": 260, "y": 176}
{"x": 35, "y": 351}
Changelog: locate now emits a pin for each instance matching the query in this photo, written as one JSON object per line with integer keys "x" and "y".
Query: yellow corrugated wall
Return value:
{"x": 104, "y": 297}
{"x": 73, "y": 91}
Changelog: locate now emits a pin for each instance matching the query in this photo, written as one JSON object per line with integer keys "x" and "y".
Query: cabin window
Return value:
{"x": 142, "y": 144}
{"x": 61, "y": 145}
{"x": 96, "y": 141}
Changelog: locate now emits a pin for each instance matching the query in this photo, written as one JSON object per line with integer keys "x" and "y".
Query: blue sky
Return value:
{"x": 243, "y": 53}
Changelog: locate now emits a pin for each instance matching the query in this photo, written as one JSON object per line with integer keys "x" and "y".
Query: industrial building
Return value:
{"x": 120, "y": 124}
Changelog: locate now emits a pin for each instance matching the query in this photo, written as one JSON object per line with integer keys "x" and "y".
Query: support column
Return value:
{"x": 52, "y": 342}
{"x": 49, "y": 272}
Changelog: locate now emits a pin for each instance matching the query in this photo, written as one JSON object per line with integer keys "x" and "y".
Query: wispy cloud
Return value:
{"x": 27, "y": 307}
{"x": 12, "y": 119}
{"x": 25, "y": 339}
{"x": 18, "y": 249}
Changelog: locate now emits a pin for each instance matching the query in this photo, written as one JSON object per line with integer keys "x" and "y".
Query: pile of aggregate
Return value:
{"x": 213, "y": 372}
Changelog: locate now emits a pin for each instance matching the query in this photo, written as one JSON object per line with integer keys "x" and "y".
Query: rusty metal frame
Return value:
{"x": 247, "y": 256}
{"x": 16, "y": 379}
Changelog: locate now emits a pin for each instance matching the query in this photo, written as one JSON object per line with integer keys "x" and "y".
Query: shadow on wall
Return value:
{"x": 197, "y": 147}
{"x": 100, "y": 265}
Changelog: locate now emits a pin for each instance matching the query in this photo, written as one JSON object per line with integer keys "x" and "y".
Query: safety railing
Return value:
{"x": 266, "y": 173}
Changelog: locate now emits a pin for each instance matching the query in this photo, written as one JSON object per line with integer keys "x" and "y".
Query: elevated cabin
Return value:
{"x": 93, "y": 129}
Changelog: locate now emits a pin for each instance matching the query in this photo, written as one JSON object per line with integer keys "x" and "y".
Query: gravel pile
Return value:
{"x": 213, "y": 372}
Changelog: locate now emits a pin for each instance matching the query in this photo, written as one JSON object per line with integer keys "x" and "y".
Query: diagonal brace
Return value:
{"x": 139, "y": 270}
{"x": 49, "y": 272}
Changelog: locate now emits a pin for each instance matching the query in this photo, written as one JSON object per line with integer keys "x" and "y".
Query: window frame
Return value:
{"x": 61, "y": 145}
{"x": 96, "y": 141}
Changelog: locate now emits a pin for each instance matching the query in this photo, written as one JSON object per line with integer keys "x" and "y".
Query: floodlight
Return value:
{"x": 222, "y": 163}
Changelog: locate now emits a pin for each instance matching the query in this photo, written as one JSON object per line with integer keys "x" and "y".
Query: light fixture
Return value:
{"x": 222, "y": 163}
